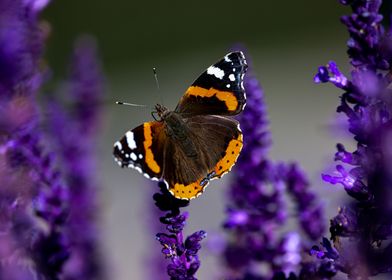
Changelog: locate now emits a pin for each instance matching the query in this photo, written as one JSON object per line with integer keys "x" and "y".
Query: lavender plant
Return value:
{"x": 75, "y": 134}
{"x": 37, "y": 240}
{"x": 47, "y": 214}
{"x": 257, "y": 209}
{"x": 183, "y": 254}
{"x": 361, "y": 232}
{"x": 30, "y": 182}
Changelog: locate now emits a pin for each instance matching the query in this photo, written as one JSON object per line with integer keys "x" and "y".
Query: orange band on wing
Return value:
{"x": 149, "y": 157}
{"x": 187, "y": 192}
{"x": 232, "y": 152}
{"x": 226, "y": 96}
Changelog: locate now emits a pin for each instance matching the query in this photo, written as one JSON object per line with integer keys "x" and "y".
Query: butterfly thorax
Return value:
{"x": 177, "y": 129}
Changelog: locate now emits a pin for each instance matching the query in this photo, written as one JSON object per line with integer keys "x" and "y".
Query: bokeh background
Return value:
{"x": 286, "y": 40}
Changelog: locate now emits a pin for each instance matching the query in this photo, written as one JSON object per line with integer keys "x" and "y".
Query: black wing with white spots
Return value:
{"x": 142, "y": 149}
{"x": 218, "y": 90}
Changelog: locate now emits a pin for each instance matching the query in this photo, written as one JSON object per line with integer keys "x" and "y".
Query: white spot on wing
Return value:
{"x": 227, "y": 59}
{"x": 138, "y": 169}
{"x": 118, "y": 145}
{"x": 140, "y": 156}
{"x": 231, "y": 77}
{"x": 133, "y": 157}
{"x": 118, "y": 161}
{"x": 217, "y": 72}
{"x": 228, "y": 85}
{"x": 238, "y": 127}
{"x": 130, "y": 140}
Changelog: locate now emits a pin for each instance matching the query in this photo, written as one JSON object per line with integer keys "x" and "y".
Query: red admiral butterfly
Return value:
{"x": 198, "y": 141}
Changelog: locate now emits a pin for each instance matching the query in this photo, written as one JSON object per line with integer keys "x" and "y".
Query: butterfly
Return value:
{"x": 197, "y": 142}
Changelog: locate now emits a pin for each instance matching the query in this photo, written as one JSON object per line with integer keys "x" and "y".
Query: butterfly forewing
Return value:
{"x": 142, "y": 149}
{"x": 218, "y": 90}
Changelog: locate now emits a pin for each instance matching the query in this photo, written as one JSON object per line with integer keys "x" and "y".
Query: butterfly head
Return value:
{"x": 161, "y": 111}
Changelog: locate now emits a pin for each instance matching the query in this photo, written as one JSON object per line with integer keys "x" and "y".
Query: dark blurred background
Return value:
{"x": 131, "y": 32}
{"x": 286, "y": 41}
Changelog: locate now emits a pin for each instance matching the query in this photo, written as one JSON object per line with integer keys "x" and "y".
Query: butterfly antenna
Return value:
{"x": 130, "y": 104}
{"x": 154, "y": 70}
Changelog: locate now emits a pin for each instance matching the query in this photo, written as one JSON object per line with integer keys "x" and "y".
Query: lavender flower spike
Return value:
{"x": 255, "y": 207}
{"x": 182, "y": 254}
{"x": 363, "y": 226}
{"x": 39, "y": 190}
{"x": 73, "y": 133}
{"x": 256, "y": 211}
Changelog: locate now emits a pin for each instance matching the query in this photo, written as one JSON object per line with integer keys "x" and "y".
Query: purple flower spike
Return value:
{"x": 362, "y": 226}
{"x": 73, "y": 131}
{"x": 36, "y": 208}
{"x": 366, "y": 33}
{"x": 50, "y": 249}
{"x": 45, "y": 225}
{"x": 183, "y": 254}
{"x": 86, "y": 85}
{"x": 332, "y": 74}
{"x": 256, "y": 212}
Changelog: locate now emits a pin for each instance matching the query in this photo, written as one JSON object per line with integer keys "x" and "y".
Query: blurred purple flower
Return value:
{"x": 183, "y": 254}
{"x": 363, "y": 226}
{"x": 255, "y": 199}
{"x": 311, "y": 215}
{"x": 25, "y": 166}
{"x": 39, "y": 225}
{"x": 256, "y": 210}
{"x": 74, "y": 131}
{"x": 86, "y": 86}
{"x": 21, "y": 46}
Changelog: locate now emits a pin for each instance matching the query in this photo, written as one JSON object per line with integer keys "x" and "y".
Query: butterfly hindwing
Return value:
{"x": 142, "y": 149}
{"x": 218, "y": 141}
{"x": 218, "y": 90}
